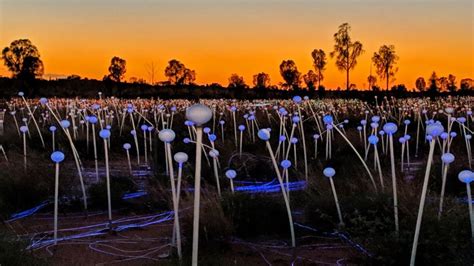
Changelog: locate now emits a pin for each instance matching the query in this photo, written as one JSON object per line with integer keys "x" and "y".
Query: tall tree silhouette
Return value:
{"x": 310, "y": 79}
{"x": 178, "y": 74}
{"x": 384, "y": 61}
{"x": 117, "y": 69}
{"x": 236, "y": 81}
{"x": 372, "y": 80}
{"x": 23, "y": 60}
{"x": 466, "y": 84}
{"x": 433, "y": 83}
{"x": 319, "y": 63}
{"x": 261, "y": 80}
{"x": 443, "y": 84}
{"x": 346, "y": 51}
{"x": 420, "y": 84}
{"x": 452, "y": 83}
{"x": 290, "y": 74}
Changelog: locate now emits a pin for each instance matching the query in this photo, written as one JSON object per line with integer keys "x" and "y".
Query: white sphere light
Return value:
{"x": 214, "y": 153}
{"x": 180, "y": 157}
{"x": 57, "y": 156}
{"x": 231, "y": 174}
{"x": 199, "y": 114}
{"x": 166, "y": 135}
{"x": 65, "y": 123}
{"x": 285, "y": 164}
{"x": 449, "y": 110}
{"x": 104, "y": 133}
{"x": 447, "y": 158}
{"x": 373, "y": 139}
{"x": 390, "y": 128}
{"x": 264, "y": 134}
{"x": 93, "y": 119}
{"x": 466, "y": 176}
{"x": 329, "y": 172}
{"x": 434, "y": 129}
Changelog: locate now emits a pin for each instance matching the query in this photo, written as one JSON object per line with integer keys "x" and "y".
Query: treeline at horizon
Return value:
{"x": 90, "y": 88}
{"x": 23, "y": 60}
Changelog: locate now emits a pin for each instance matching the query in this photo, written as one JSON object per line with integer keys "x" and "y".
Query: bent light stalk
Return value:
{"x": 433, "y": 131}
{"x": 264, "y": 135}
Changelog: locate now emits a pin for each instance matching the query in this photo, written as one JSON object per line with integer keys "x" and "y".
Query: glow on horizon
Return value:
{"x": 218, "y": 38}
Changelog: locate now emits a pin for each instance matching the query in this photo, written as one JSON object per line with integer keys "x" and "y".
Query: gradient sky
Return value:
{"x": 220, "y": 37}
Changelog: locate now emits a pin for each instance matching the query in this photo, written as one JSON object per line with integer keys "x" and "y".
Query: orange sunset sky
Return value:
{"x": 218, "y": 38}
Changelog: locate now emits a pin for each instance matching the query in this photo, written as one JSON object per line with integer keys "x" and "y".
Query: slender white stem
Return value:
{"x": 422, "y": 203}
{"x": 360, "y": 157}
{"x": 471, "y": 212}
{"x": 95, "y": 153}
{"x": 197, "y": 196}
{"x": 304, "y": 145}
{"x": 216, "y": 174}
{"x": 285, "y": 198}
{"x": 341, "y": 222}
{"x": 34, "y": 120}
{"x": 56, "y": 195}
{"x": 54, "y": 142}
{"x": 235, "y": 128}
{"x": 443, "y": 186}
{"x": 240, "y": 144}
{"x": 107, "y": 178}
{"x": 145, "y": 147}
{"x": 24, "y": 151}
{"x": 175, "y": 200}
{"x": 129, "y": 163}
{"x": 377, "y": 159}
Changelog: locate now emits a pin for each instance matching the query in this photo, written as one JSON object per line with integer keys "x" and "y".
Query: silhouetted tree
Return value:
{"x": 384, "y": 61}
{"x": 400, "y": 88}
{"x": 137, "y": 80}
{"x": 372, "y": 80}
{"x": 261, "y": 80}
{"x": 466, "y": 84}
{"x": 452, "y": 83}
{"x": 311, "y": 79}
{"x": 236, "y": 81}
{"x": 23, "y": 60}
{"x": 434, "y": 83}
{"x": 346, "y": 51}
{"x": 420, "y": 84}
{"x": 319, "y": 63}
{"x": 117, "y": 69}
{"x": 290, "y": 74}
{"x": 443, "y": 84}
{"x": 73, "y": 77}
{"x": 178, "y": 74}
{"x": 321, "y": 91}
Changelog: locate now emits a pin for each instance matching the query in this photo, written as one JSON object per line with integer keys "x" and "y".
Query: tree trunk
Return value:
{"x": 319, "y": 78}
{"x": 347, "y": 80}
